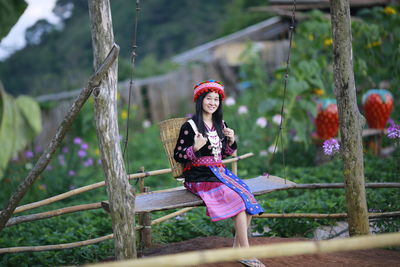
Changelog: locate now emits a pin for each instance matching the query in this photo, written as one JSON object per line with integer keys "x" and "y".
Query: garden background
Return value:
{"x": 254, "y": 114}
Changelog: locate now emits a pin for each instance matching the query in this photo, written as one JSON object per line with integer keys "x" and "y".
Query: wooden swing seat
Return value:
{"x": 180, "y": 197}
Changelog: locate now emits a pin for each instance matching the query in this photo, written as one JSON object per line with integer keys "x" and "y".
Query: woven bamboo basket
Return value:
{"x": 169, "y": 132}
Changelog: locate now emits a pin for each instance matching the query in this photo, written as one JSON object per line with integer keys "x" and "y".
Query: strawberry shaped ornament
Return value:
{"x": 327, "y": 120}
{"x": 377, "y": 105}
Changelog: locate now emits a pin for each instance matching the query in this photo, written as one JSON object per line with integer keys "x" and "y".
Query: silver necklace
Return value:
{"x": 216, "y": 144}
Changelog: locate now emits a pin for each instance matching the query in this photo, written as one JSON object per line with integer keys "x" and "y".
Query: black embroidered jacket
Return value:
{"x": 196, "y": 163}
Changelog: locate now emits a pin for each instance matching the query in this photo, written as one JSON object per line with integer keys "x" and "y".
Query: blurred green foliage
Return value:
{"x": 62, "y": 59}
{"x": 310, "y": 78}
{"x": 10, "y": 11}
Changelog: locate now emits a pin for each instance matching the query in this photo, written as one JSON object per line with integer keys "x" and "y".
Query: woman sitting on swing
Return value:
{"x": 203, "y": 141}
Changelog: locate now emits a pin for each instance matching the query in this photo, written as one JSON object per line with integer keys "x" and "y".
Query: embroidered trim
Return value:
{"x": 228, "y": 150}
{"x": 190, "y": 153}
{"x": 205, "y": 160}
{"x": 236, "y": 184}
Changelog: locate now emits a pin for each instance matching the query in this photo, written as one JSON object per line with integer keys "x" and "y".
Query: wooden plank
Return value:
{"x": 181, "y": 198}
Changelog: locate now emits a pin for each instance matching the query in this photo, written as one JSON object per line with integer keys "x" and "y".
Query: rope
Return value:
{"x": 286, "y": 77}
{"x": 133, "y": 57}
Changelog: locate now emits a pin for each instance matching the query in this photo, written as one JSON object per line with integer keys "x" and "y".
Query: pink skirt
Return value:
{"x": 221, "y": 201}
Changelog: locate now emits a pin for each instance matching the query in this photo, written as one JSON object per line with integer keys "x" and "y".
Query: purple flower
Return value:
{"x": 71, "y": 173}
{"x": 81, "y": 153}
{"x": 393, "y": 130}
{"x": 178, "y": 218}
{"x": 49, "y": 167}
{"x": 65, "y": 149}
{"x": 72, "y": 187}
{"x": 88, "y": 162}
{"x": 61, "y": 160}
{"x": 84, "y": 146}
{"x": 28, "y": 154}
{"x": 38, "y": 149}
{"x": 77, "y": 140}
{"x": 331, "y": 146}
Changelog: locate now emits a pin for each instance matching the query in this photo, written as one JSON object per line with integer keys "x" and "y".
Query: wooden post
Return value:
{"x": 350, "y": 119}
{"x": 145, "y": 221}
{"x": 122, "y": 201}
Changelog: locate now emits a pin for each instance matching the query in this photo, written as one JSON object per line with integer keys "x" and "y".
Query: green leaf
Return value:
{"x": 7, "y": 134}
{"x": 30, "y": 110}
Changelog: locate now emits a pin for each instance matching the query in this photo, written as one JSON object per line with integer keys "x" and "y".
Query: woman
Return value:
{"x": 203, "y": 142}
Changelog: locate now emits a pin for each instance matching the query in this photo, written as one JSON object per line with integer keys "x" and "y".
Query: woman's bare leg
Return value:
{"x": 241, "y": 226}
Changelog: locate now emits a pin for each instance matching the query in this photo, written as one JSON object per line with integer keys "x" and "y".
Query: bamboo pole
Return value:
{"x": 341, "y": 185}
{"x": 56, "y": 247}
{"x": 53, "y": 213}
{"x": 100, "y": 184}
{"x": 324, "y": 216}
{"x": 171, "y": 215}
{"x": 263, "y": 251}
{"x": 86, "y": 242}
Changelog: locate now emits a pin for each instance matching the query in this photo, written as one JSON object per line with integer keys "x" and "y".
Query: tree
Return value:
{"x": 122, "y": 201}
{"x": 350, "y": 120}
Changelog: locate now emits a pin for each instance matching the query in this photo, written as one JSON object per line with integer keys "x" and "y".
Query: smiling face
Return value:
{"x": 210, "y": 103}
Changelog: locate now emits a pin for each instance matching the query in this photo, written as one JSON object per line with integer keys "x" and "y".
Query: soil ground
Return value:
{"x": 363, "y": 258}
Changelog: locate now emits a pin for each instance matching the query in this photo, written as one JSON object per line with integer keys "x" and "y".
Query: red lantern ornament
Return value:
{"x": 377, "y": 105}
{"x": 327, "y": 120}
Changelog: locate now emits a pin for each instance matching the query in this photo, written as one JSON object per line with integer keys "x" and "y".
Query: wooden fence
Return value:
{"x": 145, "y": 227}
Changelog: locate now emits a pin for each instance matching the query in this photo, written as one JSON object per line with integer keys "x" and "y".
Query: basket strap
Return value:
{"x": 194, "y": 127}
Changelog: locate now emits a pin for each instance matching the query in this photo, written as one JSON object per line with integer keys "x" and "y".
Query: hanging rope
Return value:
{"x": 286, "y": 78}
{"x": 133, "y": 57}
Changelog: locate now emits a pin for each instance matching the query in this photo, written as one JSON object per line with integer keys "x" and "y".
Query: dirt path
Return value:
{"x": 362, "y": 258}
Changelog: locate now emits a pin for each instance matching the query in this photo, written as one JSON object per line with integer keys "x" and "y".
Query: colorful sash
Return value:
{"x": 240, "y": 187}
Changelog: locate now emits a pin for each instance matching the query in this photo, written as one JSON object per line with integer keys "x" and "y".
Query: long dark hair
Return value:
{"x": 217, "y": 116}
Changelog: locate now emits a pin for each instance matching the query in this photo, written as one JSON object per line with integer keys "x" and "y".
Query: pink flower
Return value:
{"x": 262, "y": 122}
{"x": 331, "y": 146}
{"x": 146, "y": 124}
{"x": 242, "y": 110}
{"x": 272, "y": 149}
{"x": 277, "y": 119}
{"x": 230, "y": 101}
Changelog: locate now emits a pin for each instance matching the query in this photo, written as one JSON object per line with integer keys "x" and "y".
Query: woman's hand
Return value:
{"x": 199, "y": 142}
{"x": 230, "y": 134}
